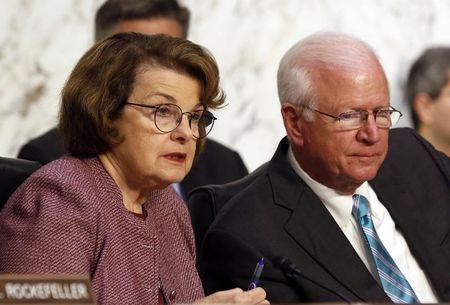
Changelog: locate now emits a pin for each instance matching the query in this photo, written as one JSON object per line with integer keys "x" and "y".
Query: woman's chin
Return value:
{"x": 165, "y": 179}
{"x": 176, "y": 178}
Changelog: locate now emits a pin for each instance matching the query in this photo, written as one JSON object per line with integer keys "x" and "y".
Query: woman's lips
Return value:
{"x": 176, "y": 157}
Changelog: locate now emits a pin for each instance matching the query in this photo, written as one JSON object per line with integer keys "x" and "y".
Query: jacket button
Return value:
{"x": 172, "y": 295}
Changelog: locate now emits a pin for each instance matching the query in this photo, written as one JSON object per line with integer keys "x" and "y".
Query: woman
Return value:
{"x": 134, "y": 111}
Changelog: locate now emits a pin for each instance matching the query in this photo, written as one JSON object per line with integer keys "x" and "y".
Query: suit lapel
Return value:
{"x": 412, "y": 218}
{"x": 315, "y": 231}
{"x": 408, "y": 214}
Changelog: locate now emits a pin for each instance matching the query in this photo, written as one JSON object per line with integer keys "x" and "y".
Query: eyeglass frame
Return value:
{"x": 339, "y": 117}
{"x": 179, "y": 119}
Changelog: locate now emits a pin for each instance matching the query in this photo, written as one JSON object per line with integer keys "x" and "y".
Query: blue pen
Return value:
{"x": 256, "y": 274}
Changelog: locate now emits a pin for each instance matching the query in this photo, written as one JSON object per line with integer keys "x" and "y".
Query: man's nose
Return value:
{"x": 369, "y": 132}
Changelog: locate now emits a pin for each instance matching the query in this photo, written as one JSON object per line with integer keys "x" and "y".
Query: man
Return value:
{"x": 216, "y": 163}
{"x": 336, "y": 214}
{"x": 428, "y": 93}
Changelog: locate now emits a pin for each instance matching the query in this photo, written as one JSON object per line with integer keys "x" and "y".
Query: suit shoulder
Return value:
{"x": 215, "y": 147}
{"x": 51, "y": 136}
{"x": 253, "y": 188}
{"x": 44, "y": 148}
{"x": 217, "y": 153}
{"x": 68, "y": 172}
{"x": 407, "y": 142}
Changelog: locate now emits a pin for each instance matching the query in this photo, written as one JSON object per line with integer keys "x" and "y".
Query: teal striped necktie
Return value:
{"x": 394, "y": 283}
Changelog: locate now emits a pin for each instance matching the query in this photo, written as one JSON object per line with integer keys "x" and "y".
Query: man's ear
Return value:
{"x": 423, "y": 107}
{"x": 292, "y": 123}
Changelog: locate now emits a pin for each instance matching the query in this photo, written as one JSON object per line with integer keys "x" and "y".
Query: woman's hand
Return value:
{"x": 235, "y": 296}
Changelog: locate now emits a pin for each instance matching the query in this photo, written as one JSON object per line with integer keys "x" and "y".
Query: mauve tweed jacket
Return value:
{"x": 68, "y": 217}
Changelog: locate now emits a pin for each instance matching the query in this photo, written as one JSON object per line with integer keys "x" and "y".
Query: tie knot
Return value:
{"x": 360, "y": 206}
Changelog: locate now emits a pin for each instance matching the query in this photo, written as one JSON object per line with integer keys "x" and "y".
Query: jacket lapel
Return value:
{"x": 315, "y": 231}
{"x": 416, "y": 220}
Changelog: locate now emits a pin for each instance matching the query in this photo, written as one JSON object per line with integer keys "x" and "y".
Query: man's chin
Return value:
{"x": 366, "y": 175}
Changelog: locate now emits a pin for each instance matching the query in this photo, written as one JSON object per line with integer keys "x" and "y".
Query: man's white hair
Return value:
{"x": 329, "y": 50}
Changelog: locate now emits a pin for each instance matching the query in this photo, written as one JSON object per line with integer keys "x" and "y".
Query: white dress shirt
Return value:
{"x": 340, "y": 207}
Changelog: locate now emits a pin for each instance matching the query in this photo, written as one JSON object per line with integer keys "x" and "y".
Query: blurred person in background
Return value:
{"x": 216, "y": 164}
{"x": 428, "y": 94}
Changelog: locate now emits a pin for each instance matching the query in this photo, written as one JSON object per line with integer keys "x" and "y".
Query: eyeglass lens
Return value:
{"x": 169, "y": 116}
{"x": 383, "y": 118}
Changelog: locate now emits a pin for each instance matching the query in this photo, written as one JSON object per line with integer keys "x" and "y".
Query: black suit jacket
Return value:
{"x": 277, "y": 214}
{"x": 216, "y": 164}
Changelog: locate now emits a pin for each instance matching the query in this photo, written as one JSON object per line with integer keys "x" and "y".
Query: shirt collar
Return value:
{"x": 340, "y": 206}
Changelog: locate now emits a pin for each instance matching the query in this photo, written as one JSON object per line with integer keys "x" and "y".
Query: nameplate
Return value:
{"x": 45, "y": 289}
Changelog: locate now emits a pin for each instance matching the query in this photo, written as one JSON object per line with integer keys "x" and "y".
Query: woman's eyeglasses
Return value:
{"x": 167, "y": 117}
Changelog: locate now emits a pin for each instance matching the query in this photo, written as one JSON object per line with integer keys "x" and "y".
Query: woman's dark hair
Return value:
{"x": 100, "y": 83}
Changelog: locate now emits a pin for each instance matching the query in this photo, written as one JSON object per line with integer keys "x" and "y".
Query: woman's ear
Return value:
{"x": 423, "y": 107}
{"x": 292, "y": 123}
